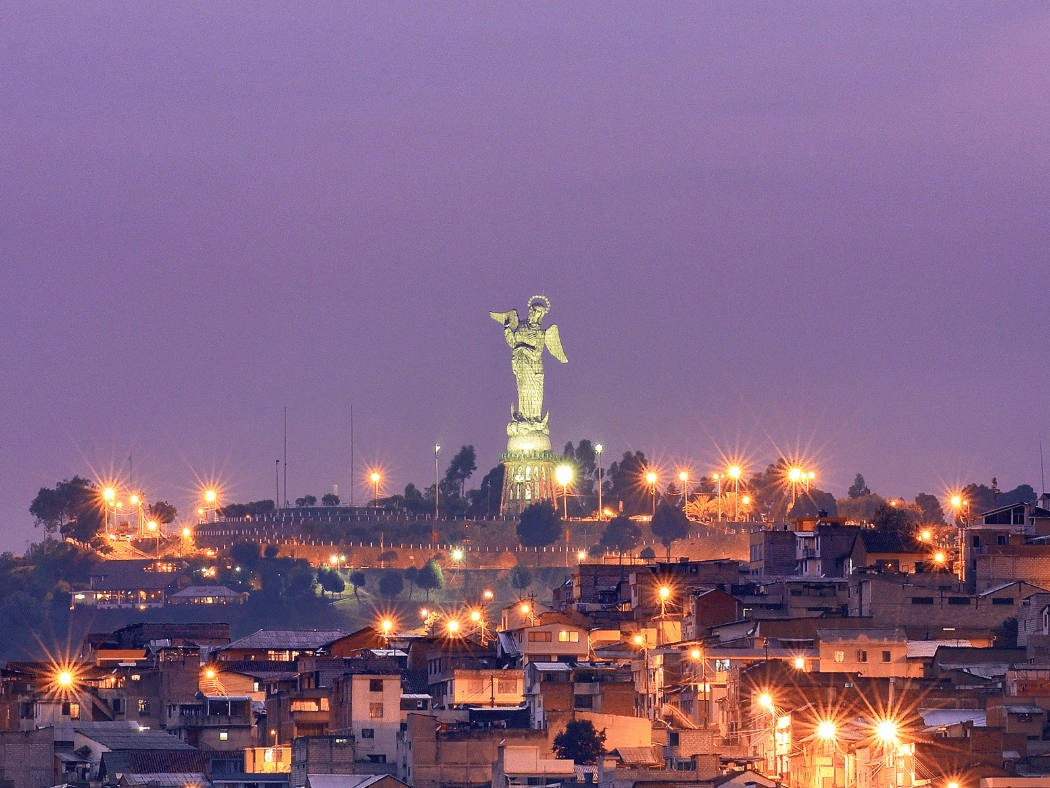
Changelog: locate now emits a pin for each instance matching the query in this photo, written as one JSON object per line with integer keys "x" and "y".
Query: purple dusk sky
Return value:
{"x": 763, "y": 227}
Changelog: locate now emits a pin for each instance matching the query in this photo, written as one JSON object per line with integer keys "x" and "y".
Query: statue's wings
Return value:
{"x": 552, "y": 339}
{"x": 508, "y": 319}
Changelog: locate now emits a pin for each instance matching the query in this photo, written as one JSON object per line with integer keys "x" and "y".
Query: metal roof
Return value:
{"x": 287, "y": 639}
{"x": 129, "y": 736}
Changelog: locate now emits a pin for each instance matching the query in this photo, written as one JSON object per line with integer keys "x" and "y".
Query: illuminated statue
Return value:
{"x": 528, "y": 462}
{"x": 527, "y": 341}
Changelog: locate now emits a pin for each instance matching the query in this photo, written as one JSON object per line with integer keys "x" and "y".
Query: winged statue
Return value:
{"x": 527, "y": 340}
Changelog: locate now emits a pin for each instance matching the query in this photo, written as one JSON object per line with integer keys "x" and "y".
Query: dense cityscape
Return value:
{"x": 760, "y": 285}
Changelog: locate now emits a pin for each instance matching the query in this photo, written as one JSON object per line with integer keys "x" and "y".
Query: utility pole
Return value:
{"x": 277, "y": 482}
{"x": 285, "y": 455}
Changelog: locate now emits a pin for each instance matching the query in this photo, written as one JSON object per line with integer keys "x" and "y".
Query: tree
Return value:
{"x": 245, "y": 554}
{"x": 861, "y": 509}
{"x": 621, "y": 535}
{"x": 329, "y": 499}
{"x": 931, "y": 509}
{"x": 486, "y": 500}
{"x": 520, "y": 577}
{"x": 669, "y": 524}
{"x": 813, "y": 503}
{"x": 306, "y": 500}
{"x": 896, "y": 516}
{"x": 647, "y": 553}
{"x": 357, "y": 580}
{"x": 580, "y": 742}
{"x": 386, "y": 557}
{"x": 331, "y": 581}
{"x": 858, "y": 489}
{"x": 625, "y": 484}
{"x": 391, "y": 583}
{"x": 459, "y": 470}
{"x": 162, "y": 512}
{"x": 430, "y": 577}
{"x": 539, "y": 525}
{"x": 271, "y": 551}
{"x": 73, "y": 507}
{"x": 411, "y": 577}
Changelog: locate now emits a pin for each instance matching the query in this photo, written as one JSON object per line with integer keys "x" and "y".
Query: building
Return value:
{"x": 867, "y": 652}
{"x": 517, "y": 767}
{"x": 135, "y": 584}
{"x": 366, "y": 705}
{"x": 556, "y": 691}
{"x": 279, "y": 645}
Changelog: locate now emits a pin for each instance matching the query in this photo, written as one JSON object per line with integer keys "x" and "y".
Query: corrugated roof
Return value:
{"x": 131, "y": 575}
{"x": 941, "y": 718}
{"x": 286, "y": 639}
{"x": 642, "y": 756}
{"x": 129, "y": 736}
{"x": 345, "y": 780}
{"x": 127, "y": 762}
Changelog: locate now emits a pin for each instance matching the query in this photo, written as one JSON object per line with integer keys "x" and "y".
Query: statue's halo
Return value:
{"x": 540, "y": 299}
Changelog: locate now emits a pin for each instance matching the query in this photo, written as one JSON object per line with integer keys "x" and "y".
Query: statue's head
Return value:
{"x": 538, "y": 307}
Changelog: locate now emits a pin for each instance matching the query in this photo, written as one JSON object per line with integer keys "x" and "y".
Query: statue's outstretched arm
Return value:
{"x": 552, "y": 339}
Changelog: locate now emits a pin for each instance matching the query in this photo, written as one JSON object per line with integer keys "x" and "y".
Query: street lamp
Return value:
{"x": 718, "y": 479}
{"x": 437, "y": 480}
{"x": 563, "y": 473}
{"x": 962, "y": 510}
{"x": 598, "y": 448}
{"x": 683, "y": 477}
{"x": 826, "y": 730}
{"x": 795, "y": 476}
{"x": 375, "y": 477}
{"x": 698, "y": 656}
{"x": 453, "y": 627}
{"x": 650, "y": 479}
{"x": 665, "y": 594}
{"x": 387, "y": 626}
{"x": 152, "y": 526}
{"x": 734, "y": 474}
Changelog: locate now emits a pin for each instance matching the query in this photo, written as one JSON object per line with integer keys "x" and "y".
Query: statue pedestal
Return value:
{"x": 528, "y": 476}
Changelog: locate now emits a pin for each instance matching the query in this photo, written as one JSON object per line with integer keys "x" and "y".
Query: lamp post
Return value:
{"x": 152, "y": 526}
{"x": 697, "y": 654}
{"x": 718, "y": 497}
{"x": 437, "y": 495}
{"x": 683, "y": 477}
{"x": 109, "y": 495}
{"x": 734, "y": 474}
{"x": 962, "y": 510}
{"x": 650, "y": 478}
{"x": 765, "y": 700}
{"x": 375, "y": 477}
{"x": 640, "y": 640}
{"x": 795, "y": 476}
{"x": 598, "y": 454}
{"x": 563, "y": 474}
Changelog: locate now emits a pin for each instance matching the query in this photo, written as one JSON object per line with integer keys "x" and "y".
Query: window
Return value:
{"x": 885, "y": 656}
{"x": 539, "y": 637}
{"x": 862, "y": 656}
{"x": 565, "y": 636}
{"x": 958, "y": 600}
{"x": 143, "y": 706}
{"x": 583, "y": 701}
{"x": 474, "y": 686}
{"x": 224, "y": 735}
{"x": 118, "y": 705}
{"x": 922, "y": 600}
{"x": 507, "y": 686}
{"x": 375, "y": 711}
{"x": 71, "y": 710}
{"x": 1002, "y": 600}
{"x": 721, "y": 666}
{"x": 840, "y": 656}
{"x": 375, "y": 685}
{"x": 368, "y": 733}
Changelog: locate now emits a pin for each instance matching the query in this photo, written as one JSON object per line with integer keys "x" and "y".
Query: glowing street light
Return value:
{"x": 64, "y": 678}
{"x": 598, "y": 448}
{"x": 563, "y": 474}
{"x": 734, "y": 474}
{"x": 457, "y": 555}
{"x": 582, "y": 555}
{"x": 210, "y": 496}
{"x": 886, "y": 731}
{"x": 487, "y": 595}
{"x": 800, "y": 663}
{"x": 826, "y": 730}
{"x": 453, "y": 627}
{"x": 765, "y": 700}
{"x": 665, "y": 594}
{"x": 795, "y": 475}
{"x": 683, "y": 477}
{"x": 940, "y": 558}
{"x": 387, "y": 626}
{"x": 375, "y": 477}
{"x": 650, "y": 479}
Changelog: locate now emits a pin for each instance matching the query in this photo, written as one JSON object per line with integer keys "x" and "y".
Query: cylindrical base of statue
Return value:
{"x": 527, "y": 477}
